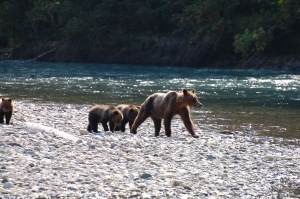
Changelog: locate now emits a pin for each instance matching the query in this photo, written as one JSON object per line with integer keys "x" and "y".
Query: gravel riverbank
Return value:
{"x": 43, "y": 155}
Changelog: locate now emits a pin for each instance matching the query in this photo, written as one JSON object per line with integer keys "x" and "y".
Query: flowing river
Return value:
{"x": 253, "y": 102}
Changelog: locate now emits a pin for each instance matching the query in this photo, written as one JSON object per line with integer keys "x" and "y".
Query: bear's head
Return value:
{"x": 117, "y": 117}
{"x": 133, "y": 112}
{"x": 7, "y": 105}
{"x": 190, "y": 98}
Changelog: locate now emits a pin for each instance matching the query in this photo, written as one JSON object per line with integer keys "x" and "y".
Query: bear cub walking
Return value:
{"x": 165, "y": 106}
{"x": 129, "y": 112}
{"x": 104, "y": 114}
{"x": 6, "y": 110}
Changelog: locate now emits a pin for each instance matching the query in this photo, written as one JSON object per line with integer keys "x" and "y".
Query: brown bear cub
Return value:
{"x": 165, "y": 106}
{"x": 6, "y": 110}
{"x": 129, "y": 112}
{"x": 104, "y": 114}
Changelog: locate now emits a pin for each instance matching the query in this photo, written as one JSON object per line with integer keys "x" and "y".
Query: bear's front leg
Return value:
{"x": 130, "y": 125}
{"x": 123, "y": 124}
{"x": 1, "y": 117}
{"x": 157, "y": 126}
{"x": 8, "y": 117}
{"x": 113, "y": 127}
{"x": 187, "y": 121}
{"x": 141, "y": 117}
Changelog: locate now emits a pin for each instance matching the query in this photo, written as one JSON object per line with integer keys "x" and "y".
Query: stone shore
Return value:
{"x": 47, "y": 153}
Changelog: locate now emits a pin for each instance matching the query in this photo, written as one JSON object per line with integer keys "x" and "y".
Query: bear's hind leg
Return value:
{"x": 104, "y": 124}
{"x": 94, "y": 127}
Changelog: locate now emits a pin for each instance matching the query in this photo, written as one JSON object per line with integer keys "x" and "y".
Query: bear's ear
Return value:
{"x": 139, "y": 107}
{"x": 194, "y": 91}
{"x": 184, "y": 91}
{"x": 131, "y": 110}
{"x": 2, "y": 99}
{"x": 9, "y": 99}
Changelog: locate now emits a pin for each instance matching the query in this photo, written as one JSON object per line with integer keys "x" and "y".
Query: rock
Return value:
{"x": 79, "y": 142}
{"x": 113, "y": 145}
{"x": 227, "y": 132}
{"x": 135, "y": 195}
{"x": 14, "y": 144}
{"x": 187, "y": 187}
{"x": 145, "y": 175}
{"x": 8, "y": 185}
{"x": 83, "y": 132}
{"x": 177, "y": 183}
{"x": 129, "y": 159}
{"x": 10, "y": 133}
{"x": 142, "y": 185}
{"x": 4, "y": 179}
{"x": 210, "y": 157}
{"x": 269, "y": 157}
{"x": 146, "y": 196}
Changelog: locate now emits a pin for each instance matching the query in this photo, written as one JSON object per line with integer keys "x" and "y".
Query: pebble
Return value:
{"x": 48, "y": 153}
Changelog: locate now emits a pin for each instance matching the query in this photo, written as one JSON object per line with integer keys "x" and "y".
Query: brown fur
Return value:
{"x": 6, "y": 110}
{"x": 129, "y": 112}
{"x": 104, "y": 114}
{"x": 165, "y": 106}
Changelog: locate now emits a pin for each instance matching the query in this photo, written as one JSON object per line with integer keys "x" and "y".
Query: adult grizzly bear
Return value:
{"x": 129, "y": 112}
{"x": 104, "y": 114}
{"x": 6, "y": 110}
{"x": 160, "y": 106}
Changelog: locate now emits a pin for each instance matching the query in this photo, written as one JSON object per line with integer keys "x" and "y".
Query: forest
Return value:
{"x": 198, "y": 33}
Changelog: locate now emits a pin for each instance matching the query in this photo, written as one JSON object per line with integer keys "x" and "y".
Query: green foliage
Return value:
{"x": 251, "y": 25}
{"x": 251, "y": 41}
{"x": 243, "y": 26}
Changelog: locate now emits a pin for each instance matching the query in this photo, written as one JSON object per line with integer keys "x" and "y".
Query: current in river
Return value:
{"x": 254, "y": 102}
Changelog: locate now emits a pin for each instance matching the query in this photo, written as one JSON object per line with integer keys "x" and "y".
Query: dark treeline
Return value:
{"x": 179, "y": 32}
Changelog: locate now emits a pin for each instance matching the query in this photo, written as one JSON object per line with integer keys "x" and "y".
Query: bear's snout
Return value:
{"x": 198, "y": 104}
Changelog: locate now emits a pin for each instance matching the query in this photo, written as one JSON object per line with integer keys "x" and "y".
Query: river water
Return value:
{"x": 252, "y": 102}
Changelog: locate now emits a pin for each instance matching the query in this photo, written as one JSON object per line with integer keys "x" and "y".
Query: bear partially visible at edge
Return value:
{"x": 104, "y": 114}
{"x": 6, "y": 110}
{"x": 165, "y": 106}
{"x": 129, "y": 112}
